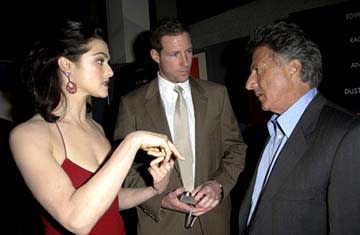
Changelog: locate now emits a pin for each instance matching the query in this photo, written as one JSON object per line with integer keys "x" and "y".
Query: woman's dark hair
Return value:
{"x": 167, "y": 27}
{"x": 41, "y": 71}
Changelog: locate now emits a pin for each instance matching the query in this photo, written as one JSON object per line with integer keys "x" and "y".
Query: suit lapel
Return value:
{"x": 246, "y": 204}
{"x": 200, "y": 108}
{"x": 154, "y": 107}
{"x": 291, "y": 153}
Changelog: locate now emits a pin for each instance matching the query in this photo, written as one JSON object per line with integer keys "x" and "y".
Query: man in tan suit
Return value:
{"x": 216, "y": 143}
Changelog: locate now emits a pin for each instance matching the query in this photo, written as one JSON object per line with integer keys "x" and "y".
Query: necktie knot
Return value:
{"x": 178, "y": 89}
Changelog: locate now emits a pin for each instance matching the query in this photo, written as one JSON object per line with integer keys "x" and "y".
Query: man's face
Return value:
{"x": 175, "y": 57}
{"x": 270, "y": 81}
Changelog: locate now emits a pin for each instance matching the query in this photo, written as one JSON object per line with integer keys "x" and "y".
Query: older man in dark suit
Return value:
{"x": 308, "y": 178}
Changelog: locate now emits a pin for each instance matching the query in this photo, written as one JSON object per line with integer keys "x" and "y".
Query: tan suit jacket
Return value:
{"x": 220, "y": 154}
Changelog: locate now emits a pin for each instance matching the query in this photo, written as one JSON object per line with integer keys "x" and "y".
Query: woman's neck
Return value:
{"x": 73, "y": 110}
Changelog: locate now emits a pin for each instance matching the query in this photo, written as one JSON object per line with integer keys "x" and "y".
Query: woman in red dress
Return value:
{"x": 64, "y": 155}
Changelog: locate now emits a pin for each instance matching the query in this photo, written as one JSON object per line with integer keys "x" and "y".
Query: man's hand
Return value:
{"x": 207, "y": 196}
{"x": 171, "y": 201}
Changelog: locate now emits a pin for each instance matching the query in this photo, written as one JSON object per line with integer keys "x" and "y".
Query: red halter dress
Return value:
{"x": 110, "y": 223}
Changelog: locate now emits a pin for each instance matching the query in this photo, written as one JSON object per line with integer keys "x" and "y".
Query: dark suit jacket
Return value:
{"x": 220, "y": 153}
{"x": 314, "y": 187}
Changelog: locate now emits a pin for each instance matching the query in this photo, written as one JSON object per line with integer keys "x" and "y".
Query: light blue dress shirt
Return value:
{"x": 286, "y": 122}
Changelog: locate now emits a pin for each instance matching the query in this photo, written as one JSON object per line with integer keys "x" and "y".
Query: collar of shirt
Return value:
{"x": 167, "y": 88}
{"x": 288, "y": 120}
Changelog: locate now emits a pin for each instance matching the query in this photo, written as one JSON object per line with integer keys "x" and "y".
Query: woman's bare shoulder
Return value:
{"x": 34, "y": 129}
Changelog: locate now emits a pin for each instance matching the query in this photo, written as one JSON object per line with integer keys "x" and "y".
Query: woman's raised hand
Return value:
{"x": 158, "y": 146}
{"x": 161, "y": 175}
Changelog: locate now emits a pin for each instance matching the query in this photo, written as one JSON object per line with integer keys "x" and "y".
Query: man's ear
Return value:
{"x": 294, "y": 67}
{"x": 64, "y": 64}
{"x": 155, "y": 55}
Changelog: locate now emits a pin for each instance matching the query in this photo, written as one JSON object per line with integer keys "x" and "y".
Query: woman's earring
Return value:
{"x": 70, "y": 86}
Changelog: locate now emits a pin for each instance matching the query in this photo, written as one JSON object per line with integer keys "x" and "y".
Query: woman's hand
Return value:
{"x": 161, "y": 175}
{"x": 158, "y": 146}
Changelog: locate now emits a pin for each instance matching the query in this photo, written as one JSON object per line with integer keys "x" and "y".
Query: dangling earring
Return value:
{"x": 70, "y": 86}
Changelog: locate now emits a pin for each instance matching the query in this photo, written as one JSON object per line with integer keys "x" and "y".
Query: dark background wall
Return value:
{"x": 194, "y": 11}
{"x": 220, "y": 30}
{"x": 336, "y": 29}
{"x": 22, "y": 22}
